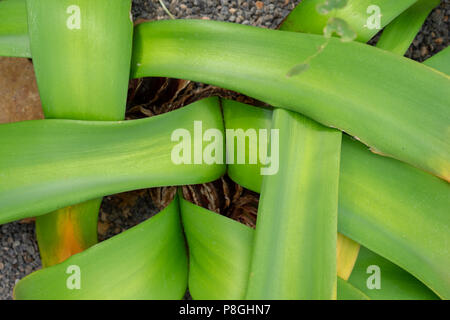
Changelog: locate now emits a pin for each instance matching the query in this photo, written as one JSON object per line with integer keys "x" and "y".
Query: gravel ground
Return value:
{"x": 19, "y": 254}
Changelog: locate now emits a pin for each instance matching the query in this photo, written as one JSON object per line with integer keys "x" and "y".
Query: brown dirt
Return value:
{"x": 18, "y": 91}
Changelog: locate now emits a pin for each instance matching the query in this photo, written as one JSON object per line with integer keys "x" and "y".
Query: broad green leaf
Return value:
{"x": 396, "y": 38}
{"x": 49, "y": 164}
{"x": 399, "y": 34}
{"x": 220, "y": 251}
{"x": 326, "y": 6}
{"x": 81, "y": 73}
{"x": 396, "y": 210}
{"x": 372, "y": 95}
{"x": 394, "y": 282}
{"x": 148, "y": 261}
{"x": 81, "y": 54}
{"x": 366, "y": 17}
{"x": 14, "y": 41}
{"x": 346, "y": 291}
{"x": 236, "y": 116}
{"x": 294, "y": 255}
{"x": 440, "y": 61}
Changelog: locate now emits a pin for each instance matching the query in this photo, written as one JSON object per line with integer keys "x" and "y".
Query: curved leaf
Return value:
{"x": 219, "y": 253}
{"x": 440, "y": 61}
{"x": 148, "y": 261}
{"x": 14, "y": 40}
{"x": 49, "y": 164}
{"x": 399, "y": 34}
{"x": 348, "y": 292}
{"x": 395, "y": 283}
{"x": 294, "y": 254}
{"x": 362, "y": 16}
{"x": 80, "y": 72}
{"x": 220, "y": 250}
{"x": 81, "y": 75}
{"x": 388, "y": 206}
{"x": 372, "y": 93}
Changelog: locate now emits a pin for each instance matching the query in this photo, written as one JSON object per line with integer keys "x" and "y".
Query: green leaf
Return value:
{"x": 396, "y": 210}
{"x": 329, "y": 5}
{"x": 80, "y": 72}
{"x": 361, "y": 15}
{"x": 148, "y": 261}
{"x": 399, "y": 34}
{"x": 238, "y": 115}
{"x": 440, "y": 61}
{"x": 219, "y": 253}
{"x": 49, "y": 164}
{"x": 376, "y": 102}
{"x": 395, "y": 283}
{"x": 346, "y": 291}
{"x": 14, "y": 41}
{"x": 294, "y": 254}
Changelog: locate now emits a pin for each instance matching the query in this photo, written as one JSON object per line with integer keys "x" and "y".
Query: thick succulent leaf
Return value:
{"x": 81, "y": 73}
{"x": 236, "y": 116}
{"x": 373, "y": 96}
{"x": 346, "y": 291}
{"x": 14, "y": 41}
{"x": 440, "y": 61}
{"x": 219, "y": 253}
{"x": 149, "y": 261}
{"x": 49, "y": 164}
{"x": 294, "y": 254}
{"x": 396, "y": 38}
{"x": 67, "y": 231}
{"x": 395, "y": 283}
{"x": 396, "y": 210}
{"x": 310, "y": 16}
{"x": 399, "y": 34}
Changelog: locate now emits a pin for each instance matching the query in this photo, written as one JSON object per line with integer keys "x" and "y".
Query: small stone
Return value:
{"x": 28, "y": 269}
{"x": 2, "y": 266}
{"x": 259, "y": 4}
{"x": 423, "y": 51}
{"x": 232, "y": 10}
